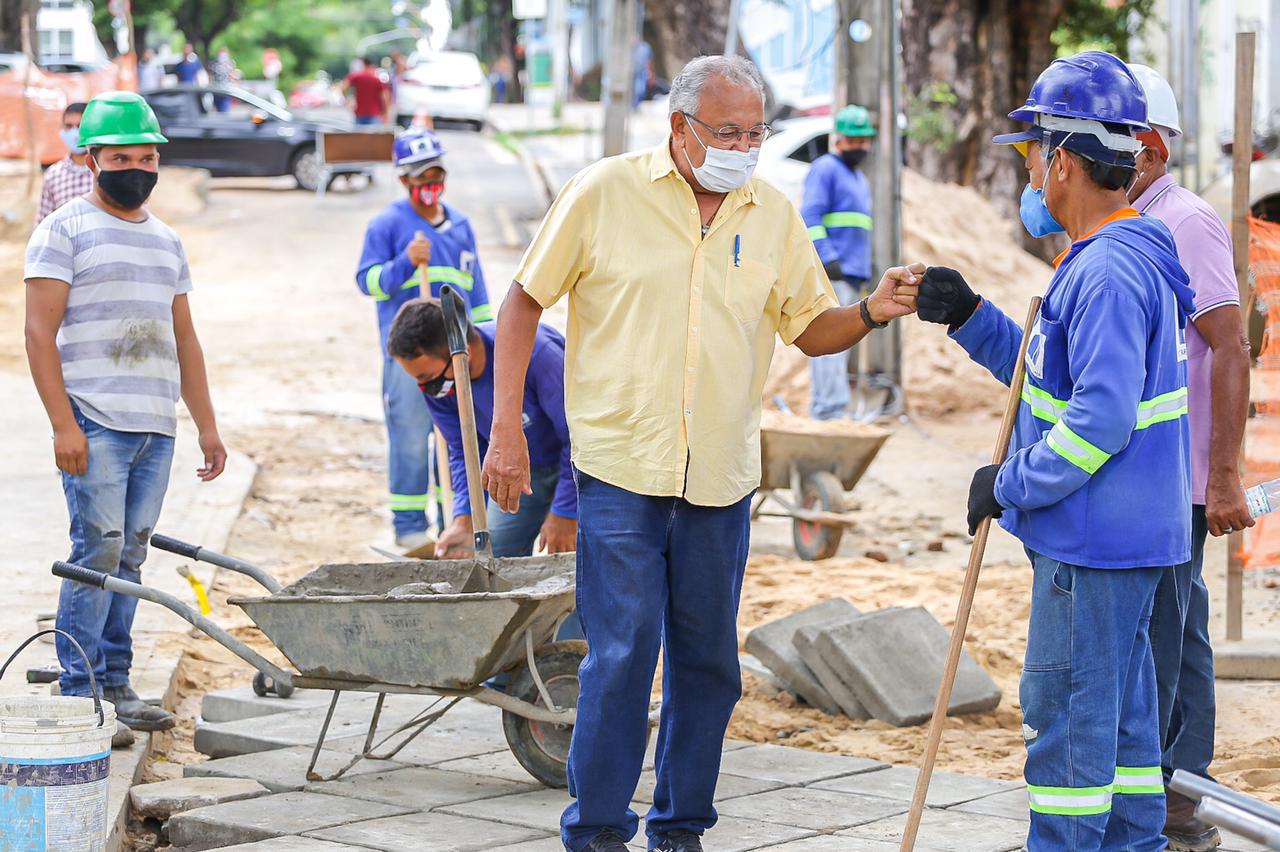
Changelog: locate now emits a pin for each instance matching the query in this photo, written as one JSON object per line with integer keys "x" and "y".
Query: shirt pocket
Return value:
{"x": 747, "y": 285}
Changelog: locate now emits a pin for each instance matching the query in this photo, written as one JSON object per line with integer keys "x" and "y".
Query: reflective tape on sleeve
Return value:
{"x": 1043, "y": 406}
{"x": 373, "y": 283}
{"x": 1075, "y": 449}
{"x": 449, "y": 275}
{"x": 817, "y": 232}
{"x": 1069, "y": 801}
{"x": 482, "y": 313}
{"x": 847, "y": 219}
{"x": 1168, "y": 406}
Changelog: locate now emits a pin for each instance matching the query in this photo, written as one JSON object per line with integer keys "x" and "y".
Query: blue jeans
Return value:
{"x": 829, "y": 374}
{"x": 653, "y": 571}
{"x": 113, "y": 508}
{"x": 362, "y": 120}
{"x": 408, "y": 461}
{"x": 1184, "y": 660}
{"x": 1088, "y": 698}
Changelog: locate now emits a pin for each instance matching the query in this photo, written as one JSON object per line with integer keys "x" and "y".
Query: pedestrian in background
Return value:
{"x": 224, "y": 73}
{"x": 112, "y": 346}
{"x": 372, "y": 96}
{"x": 150, "y": 72}
{"x": 642, "y": 70}
{"x": 271, "y": 66}
{"x": 837, "y": 210}
{"x": 69, "y": 177}
{"x": 190, "y": 68}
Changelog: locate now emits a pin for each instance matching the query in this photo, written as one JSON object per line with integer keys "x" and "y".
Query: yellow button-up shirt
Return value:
{"x": 670, "y": 333}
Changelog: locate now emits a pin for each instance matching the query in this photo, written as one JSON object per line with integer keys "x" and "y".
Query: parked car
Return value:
{"x": 785, "y": 156}
{"x": 315, "y": 94}
{"x": 234, "y": 133}
{"x": 447, "y": 85}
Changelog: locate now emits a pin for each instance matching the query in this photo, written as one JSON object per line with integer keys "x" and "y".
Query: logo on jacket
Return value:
{"x": 467, "y": 262}
{"x": 1035, "y": 351}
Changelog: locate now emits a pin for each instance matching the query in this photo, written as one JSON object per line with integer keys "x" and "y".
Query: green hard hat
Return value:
{"x": 119, "y": 118}
{"x": 854, "y": 120}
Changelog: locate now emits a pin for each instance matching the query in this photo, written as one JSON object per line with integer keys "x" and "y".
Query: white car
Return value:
{"x": 448, "y": 85}
{"x": 785, "y": 156}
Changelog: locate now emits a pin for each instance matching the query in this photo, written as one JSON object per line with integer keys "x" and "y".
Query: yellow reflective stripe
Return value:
{"x": 817, "y": 232}
{"x": 1139, "y": 780}
{"x": 449, "y": 275}
{"x": 847, "y": 219}
{"x": 1169, "y": 406}
{"x": 1069, "y": 801}
{"x": 1075, "y": 449}
{"x": 482, "y": 313}
{"x": 408, "y": 502}
{"x": 373, "y": 283}
{"x": 1042, "y": 405}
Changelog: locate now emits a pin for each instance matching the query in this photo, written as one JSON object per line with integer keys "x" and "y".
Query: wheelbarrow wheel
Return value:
{"x": 822, "y": 491}
{"x": 264, "y": 686}
{"x": 542, "y": 748}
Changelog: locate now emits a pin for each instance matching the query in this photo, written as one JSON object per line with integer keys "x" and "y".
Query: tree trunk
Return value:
{"x": 686, "y": 29}
{"x": 12, "y": 15}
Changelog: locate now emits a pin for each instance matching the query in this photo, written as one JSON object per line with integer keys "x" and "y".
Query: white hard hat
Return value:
{"x": 1162, "y": 108}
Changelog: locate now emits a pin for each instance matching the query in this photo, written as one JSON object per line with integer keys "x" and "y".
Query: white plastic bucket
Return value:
{"x": 55, "y": 758}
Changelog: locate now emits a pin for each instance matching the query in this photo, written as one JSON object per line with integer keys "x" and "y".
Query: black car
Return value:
{"x": 234, "y": 133}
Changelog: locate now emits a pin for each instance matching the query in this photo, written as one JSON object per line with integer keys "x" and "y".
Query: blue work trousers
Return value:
{"x": 1184, "y": 660}
{"x": 1088, "y": 697}
{"x": 653, "y": 572}
{"x": 829, "y": 374}
{"x": 113, "y": 508}
{"x": 409, "y": 459}
{"x": 516, "y": 533}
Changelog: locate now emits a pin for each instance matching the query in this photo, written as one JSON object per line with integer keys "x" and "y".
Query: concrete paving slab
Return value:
{"x": 232, "y": 705}
{"x": 1011, "y": 804}
{"x": 163, "y": 799}
{"x": 540, "y": 809}
{"x": 284, "y": 770}
{"x": 808, "y": 807}
{"x": 422, "y": 789}
{"x": 893, "y": 661}
{"x": 899, "y": 783}
{"x": 1255, "y": 658}
{"x": 269, "y": 816}
{"x": 472, "y": 732}
{"x": 805, "y": 641}
{"x": 546, "y": 844}
{"x": 497, "y": 764}
{"x": 793, "y": 765}
{"x": 836, "y": 843}
{"x": 727, "y": 787}
{"x": 292, "y": 844}
{"x": 436, "y": 831}
{"x": 950, "y": 830}
{"x": 773, "y": 644}
{"x": 734, "y": 834}
{"x": 1236, "y": 843}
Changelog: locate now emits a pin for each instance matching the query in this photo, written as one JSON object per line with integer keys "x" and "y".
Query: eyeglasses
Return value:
{"x": 731, "y": 133}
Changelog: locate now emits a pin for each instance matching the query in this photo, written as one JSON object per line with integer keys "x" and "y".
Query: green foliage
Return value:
{"x": 931, "y": 116}
{"x": 1100, "y": 25}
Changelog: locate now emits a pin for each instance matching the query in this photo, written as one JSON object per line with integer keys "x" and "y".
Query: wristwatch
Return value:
{"x": 866, "y": 316}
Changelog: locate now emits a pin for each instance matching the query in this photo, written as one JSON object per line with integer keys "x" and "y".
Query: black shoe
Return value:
{"x": 607, "y": 841}
{"x": 679, "y": 841}
{"x": 136, "y": 713}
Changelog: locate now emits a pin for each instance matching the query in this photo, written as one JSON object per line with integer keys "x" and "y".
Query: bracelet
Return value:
{"x": 866, "y": 316}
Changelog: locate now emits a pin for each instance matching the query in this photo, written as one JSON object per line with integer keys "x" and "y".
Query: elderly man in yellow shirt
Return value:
{"x": 680, "y": 269}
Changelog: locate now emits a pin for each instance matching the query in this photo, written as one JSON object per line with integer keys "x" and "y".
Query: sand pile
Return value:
{"x": 944, "y": 225}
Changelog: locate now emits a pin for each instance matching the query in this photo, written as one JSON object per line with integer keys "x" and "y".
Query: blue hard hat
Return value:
{"x": 415, "y": 150}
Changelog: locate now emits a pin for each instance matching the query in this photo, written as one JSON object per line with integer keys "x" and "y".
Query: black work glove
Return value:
{"x": 945, "y": 297}
{"x": 982, "y": 496}
{"x": 832, "y": 268}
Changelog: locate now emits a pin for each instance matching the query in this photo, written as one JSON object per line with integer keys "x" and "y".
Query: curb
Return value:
{"x": 532, "y": 165}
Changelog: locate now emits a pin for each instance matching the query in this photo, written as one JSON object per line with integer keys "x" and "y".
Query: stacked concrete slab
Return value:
{"x": 774, "y": 645}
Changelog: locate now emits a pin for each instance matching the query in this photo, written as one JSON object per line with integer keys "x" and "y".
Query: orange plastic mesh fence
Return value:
{"x": 1262, "y": 454}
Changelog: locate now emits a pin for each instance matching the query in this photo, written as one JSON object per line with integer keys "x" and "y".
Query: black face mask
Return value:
{"x": 853, "y": 157}
{"x": 130, "y": 188}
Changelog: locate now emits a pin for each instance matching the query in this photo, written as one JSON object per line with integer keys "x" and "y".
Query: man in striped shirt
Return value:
{"x": 111, "y": 346}
{"x": 69, "y": 177}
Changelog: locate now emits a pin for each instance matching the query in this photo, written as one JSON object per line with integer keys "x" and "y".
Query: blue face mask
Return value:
{"x": 1036, "y": 217}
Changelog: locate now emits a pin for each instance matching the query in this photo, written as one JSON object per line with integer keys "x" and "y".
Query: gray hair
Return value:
{"x": 686, "y": 88}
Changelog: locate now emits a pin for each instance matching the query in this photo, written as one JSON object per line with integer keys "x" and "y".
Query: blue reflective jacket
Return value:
{"x": 1099, "y": 472}
{"x": 837, "y": 211}
{"x": 386, "y": 273}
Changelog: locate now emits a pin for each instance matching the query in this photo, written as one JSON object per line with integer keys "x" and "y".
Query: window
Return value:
{"x": 57, "y": 4}
{"x": 810, "y": 150}
{"x": 56, "y": 45}
{"x": 170, "y": 106}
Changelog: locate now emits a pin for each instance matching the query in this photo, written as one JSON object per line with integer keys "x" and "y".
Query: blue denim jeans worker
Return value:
{"x": 653, "y": 571}
{"x": 829, "y": 374}
{"x": 113, "y": 509}
{"x": 1184, "y": 660}
{"x": 408, "y": 462}
{"x": 1088, "y": 697}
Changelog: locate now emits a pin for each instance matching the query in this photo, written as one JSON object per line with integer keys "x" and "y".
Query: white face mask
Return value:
{"x": 71, "y": 138}
{"x": 723, "y": 170}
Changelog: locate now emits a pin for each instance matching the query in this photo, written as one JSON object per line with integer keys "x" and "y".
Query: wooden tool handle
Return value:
{"x": 967, "y": 592}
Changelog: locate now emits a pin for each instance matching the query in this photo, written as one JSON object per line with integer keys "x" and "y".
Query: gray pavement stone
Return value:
{"x": 539, "y": 810}
{"x": 436, "y": 831}
{"x": 422, "y": 789}
{"x": 805, "y": 640}
{"x": 945, "y": 788}
{"x": 1236, "y": 843}
{"x": 837, "y": 843}
{"x": 809, "y": 807}
{"x": 497, "y": 764}
{"x": 773, "y": 644}
{"x": 793, "y": 765}
{"x": 163, "y": 799}
{"x": 1011, "y": 804}
{"x": 284, "y": 770}
{"x": 292, "y": 844}
{"x": 727, "y": 787}
{"x": 267, "y": 817}
{"x": 950, "y": 830}
{"x": 893, "y": 661}
{"x": 546, "y": 844}
{"x": 472, "y": 732}
{"x": 232, "y": 705}
{"x": 734, "y": 834}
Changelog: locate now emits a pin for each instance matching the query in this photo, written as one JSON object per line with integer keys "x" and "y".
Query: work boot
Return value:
{"x": 136, "y": 713}
{"x": 607, "y": 841}
{"x": 1186, "y": 833}
{"x": 123, "y": 737}
{"x": 679, "y": 841}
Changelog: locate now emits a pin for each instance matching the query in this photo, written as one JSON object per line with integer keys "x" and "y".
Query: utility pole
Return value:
{"x": 867, "y": 46}
{"x": 619, "y": 74}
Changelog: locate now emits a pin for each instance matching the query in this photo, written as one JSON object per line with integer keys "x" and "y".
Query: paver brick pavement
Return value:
{"x": 292, "y": 844}
{"x": 269, "y": 816}
{"x": 163, "y": 799}
{"x": 284, "y": 770}
{"x": 945, "y": 788}
{"x": 421, "y": 788}
{"x": 949, "y": 830}
{"x": 807, "y": 807}
{"x": 438, "y": 832}
{"x": 793, "y": 765}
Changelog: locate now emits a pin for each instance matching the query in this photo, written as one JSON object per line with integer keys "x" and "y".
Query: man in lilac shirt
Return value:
{"x": 1218, "y": 401}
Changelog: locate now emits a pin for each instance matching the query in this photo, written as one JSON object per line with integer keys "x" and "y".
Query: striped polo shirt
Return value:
{"x": 116, "y": 342}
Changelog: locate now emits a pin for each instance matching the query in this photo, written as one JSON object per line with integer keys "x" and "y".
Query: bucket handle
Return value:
{"x": 93, "y": 681}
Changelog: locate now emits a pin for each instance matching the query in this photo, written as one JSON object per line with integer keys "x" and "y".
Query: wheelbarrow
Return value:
{"x": 817, "y": 470}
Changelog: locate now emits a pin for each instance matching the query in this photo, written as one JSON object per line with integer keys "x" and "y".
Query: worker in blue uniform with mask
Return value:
{"x": 1097, "y": 483}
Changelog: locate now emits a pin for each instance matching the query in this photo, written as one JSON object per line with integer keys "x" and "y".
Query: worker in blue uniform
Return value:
{"x": 837, "y": 211}
{"x": 1097, "y": 483}
{"x": 417, "y": 231}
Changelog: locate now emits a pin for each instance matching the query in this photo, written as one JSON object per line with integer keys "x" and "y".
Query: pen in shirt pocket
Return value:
{"x": 737, "y": 249}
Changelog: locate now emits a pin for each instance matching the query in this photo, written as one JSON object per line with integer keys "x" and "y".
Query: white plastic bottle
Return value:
{"x": 1263, "y": 498}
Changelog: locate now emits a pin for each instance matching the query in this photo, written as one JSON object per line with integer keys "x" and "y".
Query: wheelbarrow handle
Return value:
{"x": 213, "y": 557}
{"x": 80, "y": 574}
